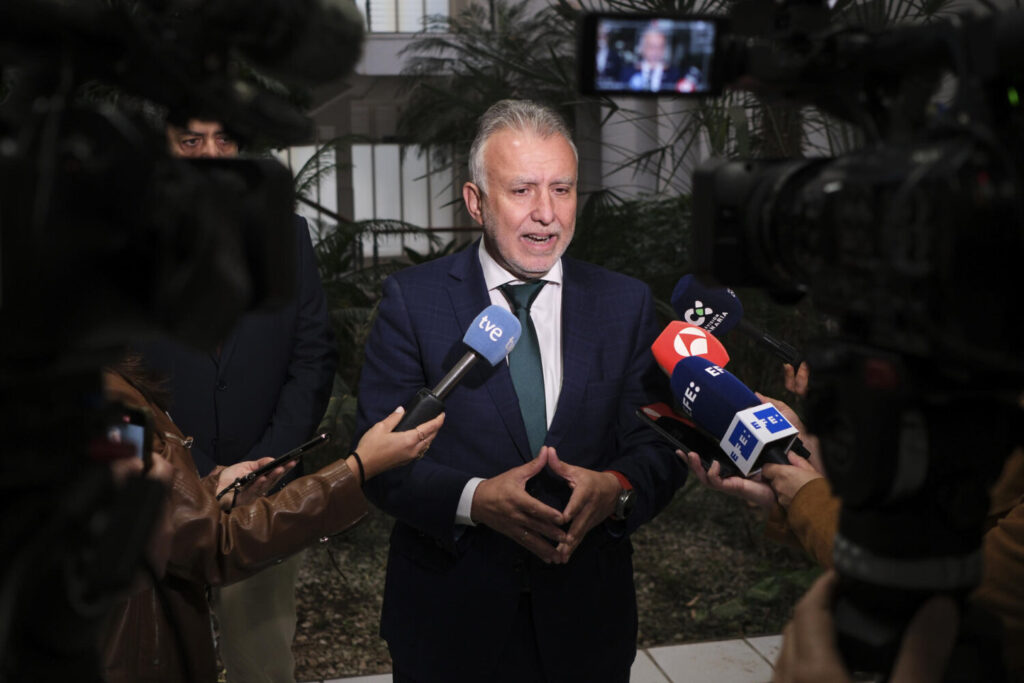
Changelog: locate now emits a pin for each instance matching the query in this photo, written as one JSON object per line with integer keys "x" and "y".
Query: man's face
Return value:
{"x": 206, "y": 139}
{"x": 653, "y": 48}
{"x": 529, "y": 210}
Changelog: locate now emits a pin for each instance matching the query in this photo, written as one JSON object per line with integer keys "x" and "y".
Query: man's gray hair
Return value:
{"x": 518, "y": 115}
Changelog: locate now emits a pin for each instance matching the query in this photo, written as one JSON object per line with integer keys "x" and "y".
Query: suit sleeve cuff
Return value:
{"x": 462, "y": 513}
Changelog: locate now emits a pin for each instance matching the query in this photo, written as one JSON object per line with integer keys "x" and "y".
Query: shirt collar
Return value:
{"x": 495, "y": 276}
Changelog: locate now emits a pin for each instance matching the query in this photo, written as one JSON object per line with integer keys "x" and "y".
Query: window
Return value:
{"x": 400, "y": 16}
{"x": 322, "y": 190}
{"x": 391, "y": 181}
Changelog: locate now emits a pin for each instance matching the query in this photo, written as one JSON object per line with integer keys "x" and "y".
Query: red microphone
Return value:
{"x": 682, "y": 340}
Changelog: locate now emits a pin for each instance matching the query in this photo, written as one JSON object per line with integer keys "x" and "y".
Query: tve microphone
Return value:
{"x": 491, "y": 336}
{"x": 718, "y": 310}
{"x": 750, "y": 432}
{"x": 681, "y": 340}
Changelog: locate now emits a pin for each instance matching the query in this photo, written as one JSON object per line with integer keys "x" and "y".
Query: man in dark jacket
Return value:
{"x": 261, "y": 393}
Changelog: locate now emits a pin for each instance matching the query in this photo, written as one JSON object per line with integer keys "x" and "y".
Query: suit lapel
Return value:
{"x": 227, "y": 348}
{"x": 468, "y": 293}
{"x": 580, "y": 329}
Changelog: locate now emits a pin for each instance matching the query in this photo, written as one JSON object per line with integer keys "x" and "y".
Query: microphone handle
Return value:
{"x": 455, "y": 375}
{"x": 423, "y": 407}
{"x": 800, "y": 449}
{"x": 773, "y": 454}
{"x": 780, "y": 348}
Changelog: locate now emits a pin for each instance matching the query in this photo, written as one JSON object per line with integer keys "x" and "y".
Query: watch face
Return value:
{"x": 624, "y": 506}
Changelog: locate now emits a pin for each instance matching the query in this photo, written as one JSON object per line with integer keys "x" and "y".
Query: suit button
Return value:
{"x": 221, "y": 386}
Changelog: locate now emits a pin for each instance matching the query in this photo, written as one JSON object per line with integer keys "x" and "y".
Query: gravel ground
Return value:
{"x": 703, "y": 571}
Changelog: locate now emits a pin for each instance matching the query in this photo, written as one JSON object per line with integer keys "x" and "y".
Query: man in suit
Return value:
{"x": 510, "y": 559}
{"x": 262, "y": 392}
{"x": 653, "y": 72}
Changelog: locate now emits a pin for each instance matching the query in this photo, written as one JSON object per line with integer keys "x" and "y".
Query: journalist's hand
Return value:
{"x": 810, "y": 440}
{"x": 796, "y": 380}
{"x": 382, "y": 448}
{"x": 809, "y": 652}
{"x": 503, "y": 504}
{"x": 593, "y": 499}
{"x": 259, "y": 486}
{"x": 752, "y": 489}
{"x": 786, "y": 480}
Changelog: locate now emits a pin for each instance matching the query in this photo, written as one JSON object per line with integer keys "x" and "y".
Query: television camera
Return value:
{"x": 105, "y": 239}
{"x": 912, "y": 242}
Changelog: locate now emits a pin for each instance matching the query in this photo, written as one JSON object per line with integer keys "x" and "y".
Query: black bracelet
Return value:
{"x": 362, "y": 472}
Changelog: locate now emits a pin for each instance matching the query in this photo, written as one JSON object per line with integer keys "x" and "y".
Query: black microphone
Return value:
{"x": 491, "y": 336}
{"x": 719, "y": 310}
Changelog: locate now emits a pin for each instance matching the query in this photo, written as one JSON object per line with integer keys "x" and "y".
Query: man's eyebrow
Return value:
{"x": 531, "y": 180}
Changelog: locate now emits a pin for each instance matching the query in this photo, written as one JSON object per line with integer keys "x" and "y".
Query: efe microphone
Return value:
{"x": 751, "y": 433}
{"x": 491, "y": 336}
{"x": 719, "y": 310}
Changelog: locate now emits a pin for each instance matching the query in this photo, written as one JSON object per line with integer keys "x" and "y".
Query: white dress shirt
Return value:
{"x": 546, "y": 313}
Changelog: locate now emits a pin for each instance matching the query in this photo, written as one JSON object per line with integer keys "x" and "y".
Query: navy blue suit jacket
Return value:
{"x": 452, "y": 591}
{"x": 266, "y": 390}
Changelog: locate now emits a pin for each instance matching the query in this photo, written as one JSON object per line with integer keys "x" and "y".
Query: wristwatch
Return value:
{"x": 627, "y": 497}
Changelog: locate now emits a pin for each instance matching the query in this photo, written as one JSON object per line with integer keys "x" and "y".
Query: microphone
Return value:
{"x": 719, "y": 310}
{"x": 749, "y": 432}
{"x": 491, "y": 336}
{"x": 691, "y": 81}
{"x": 681, "y": 340}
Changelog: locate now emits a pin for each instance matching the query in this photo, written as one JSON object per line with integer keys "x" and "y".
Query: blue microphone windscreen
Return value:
{"x": 716, "y": 309}
{"x": 710, "y": 394}
{"x": 493, "y": 333}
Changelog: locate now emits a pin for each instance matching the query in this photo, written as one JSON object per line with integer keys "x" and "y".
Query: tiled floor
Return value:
{"x": 747, "y": 660}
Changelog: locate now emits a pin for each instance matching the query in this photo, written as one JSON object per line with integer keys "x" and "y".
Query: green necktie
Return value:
{"x": 525, "y": 365}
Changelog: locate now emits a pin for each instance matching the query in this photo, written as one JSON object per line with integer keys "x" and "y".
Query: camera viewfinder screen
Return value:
{"x": 646, "y": 55}
{"x": 129, "y": 433}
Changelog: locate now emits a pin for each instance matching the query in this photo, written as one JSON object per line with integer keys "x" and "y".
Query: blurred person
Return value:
{"x": 510, "y": 557}
{"x": 259, "y": 394}
{"x": 653, "y": 72}
{"x": 809, "y": 652}
{"x": 163, "y": 632}
{"x": 609, "y": 62}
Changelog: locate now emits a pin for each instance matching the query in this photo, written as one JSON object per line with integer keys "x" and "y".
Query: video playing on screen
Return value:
{"x": 645, "y": 55}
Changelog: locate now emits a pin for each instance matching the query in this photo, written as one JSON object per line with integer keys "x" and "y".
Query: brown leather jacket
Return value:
{"x": 162, "y": 633}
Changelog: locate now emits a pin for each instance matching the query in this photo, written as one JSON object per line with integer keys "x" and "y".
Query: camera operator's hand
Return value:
{"x": 809, "y": 651}
{"x": 752, "y": 489}
{"x": 786, "y": 480}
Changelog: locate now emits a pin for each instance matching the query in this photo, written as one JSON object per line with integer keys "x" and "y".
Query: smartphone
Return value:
{"x": 649, "y": 54}
{"x": 132, "y": 426}
{"x": 280, "y": 460}
{"x": 683, "y": 435}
